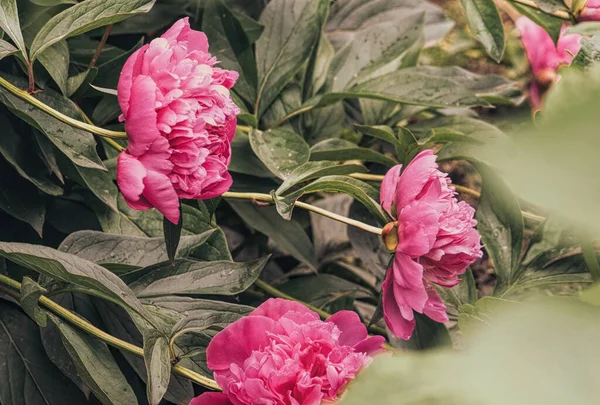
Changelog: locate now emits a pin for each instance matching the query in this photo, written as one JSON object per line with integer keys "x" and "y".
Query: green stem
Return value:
{"x": 24, "y": 95}
{"x": 269, "y": 289}
{"x": 109, "y": 339}
{"x": 292, "y": 115}
{"x": 340, "y": 218}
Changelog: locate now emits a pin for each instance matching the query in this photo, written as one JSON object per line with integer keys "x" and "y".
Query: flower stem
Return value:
{"x": 100, "y": 46}
{"x": 107, "y": 338}
{"x": 340, "y": 218}
{"x": 563, "y": 15}
{"x": 24, "y": 95}
{"x": 292, "y": 115}
{"x": 31, "y": 88}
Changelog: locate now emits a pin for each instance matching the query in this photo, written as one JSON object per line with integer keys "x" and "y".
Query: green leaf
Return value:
{"x": 27, "y": 376}
{"x": 323, "y": 289}
{"x": 9, "y": 22}
{"x": 346, "y": 17}
{"x": 50, "y": 3}
{"x": 230, "y": 44}
{"x": 56, "y": 61}
{"x": 382, "y": 132}
{"x": 30, "y": 295}
{"x": 485, "y": 24}
{"x": 313, "y": 170}
{"x": 98, "y": 182}
{"x": 96, "y": 365}
{"x": 589, "y": 53}
{"x": 292, "y": 28}
{"x": 103, "y": 248}
{"x": 481, "y": 314}
{"x": 551, "y": 24}
{"x": 500, "y": 224}
{"x": 550, "y": 6}
{"x": 118, "y": 324}
{"x": 72, "y": 269}
{"x": 281, "y": 150}
{"x": 321, "y": 64}
{"x": 428, "y": 334}
{"x": 193, "y": 277}
{"x": 454, "y": 128}
{"x": 158, "y": 364}
{"x": 79, "y": 146}
{"x": 208, "y": 314}
{"x": 357, "y": 189}
{"x": 172, "y": 234}
{"x": 244, "y": 160}
{"x": 585, "y": 28}
{"x": 21, "y": 200}
{"x": 376, "y": 50}
{"x": 83, "y": 17}
{"x": 6, "y": 49}
{"x": 18, "y": 151}
{"x": 288, "y": 236}
{"x": 341, "y": 150}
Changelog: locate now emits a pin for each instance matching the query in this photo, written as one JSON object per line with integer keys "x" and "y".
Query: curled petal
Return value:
{"x": 276, "y": 308}
{"x": 142, "y": 118}
{"x": 160, "y": 193}
{"x": 414, "y": 177}
{"x": 394, "y": 319}
{"x": 211, "y": 398}
{"x": 387, "y": 196}
{"x": 131, "y": 69}
{"x": 130, "y": 177}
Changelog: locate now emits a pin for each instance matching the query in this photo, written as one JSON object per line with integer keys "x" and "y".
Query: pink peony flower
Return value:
{"x": 284, "y": 354}
{"x": 590, "y": 12}
{"x": 544, "y": 57}
{"x": 180, "y": 120}
{"x": 435, "y": 237}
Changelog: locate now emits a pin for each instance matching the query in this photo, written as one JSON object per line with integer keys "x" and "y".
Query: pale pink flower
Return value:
{"x": 180, "y": 120}
{"x": 544, "y": 57}
{"x": 436, "y": 241}
{"x": 590, "y": 12}
{"x": 284, "y": 354}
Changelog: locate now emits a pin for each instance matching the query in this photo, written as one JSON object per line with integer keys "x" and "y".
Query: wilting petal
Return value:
{"x": 160, "y": 193}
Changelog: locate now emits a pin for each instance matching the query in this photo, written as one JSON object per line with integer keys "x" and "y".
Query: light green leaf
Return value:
{"x": 281, "y": 150}
{"x": 586, "y": 28}
{"x": 83, "y": 17}
{"x": 341, "y": 150}
{"x": 313, "y": 170}
{"x": 323, "y": 59}
{"x": 357, "y": 189}
{"x": 194, "y": 277}
{"x": 288, "y": 236}
{"x": 244, "y": 159}
{"x": 485, "y": 24}
{"x": 6, "y": 49}
{"x": 382, "y": 132}
{"x": 550, "y": 23}
{"x": 158, "y": 365}
{"x": 292, "y": 28}
{"x": 9, "y": 22}
{"x": 96, "y": 365}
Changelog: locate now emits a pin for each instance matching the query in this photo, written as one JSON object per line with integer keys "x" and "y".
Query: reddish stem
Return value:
{"x": 31, "y": 88}
{"x": 101, "y": 46}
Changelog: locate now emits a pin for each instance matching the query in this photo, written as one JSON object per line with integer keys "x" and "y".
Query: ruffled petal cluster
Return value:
{"x": 284, "y": 354}
{"x": 436, "y": 241}
{"x": 544, "y": 57}
{"x": 180, "y": 121}
{"x": 590, "y": 12}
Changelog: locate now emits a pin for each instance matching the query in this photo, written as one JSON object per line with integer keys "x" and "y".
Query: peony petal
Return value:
{"x": 160, "y": 193}
{"x": 387, "y": 196}
{"x": 131, "y": 69}
{"x": 141, "y": 121}
{"x": 408, "y": 284}
{"x": 414, "y": 177}
{"x": 228, "y": 347}
{"x": 353, "y": 330}
{"x": 418, "y": 229}
{"x": 276, "y": 308}
{"x": 197, "y": 41}
{"x": 371, "y": 346}
{"x": 434, "y": 308}
{"x": 394, "y": 320}
{"x": 181, "y": 26}
{"x": 130, "y": 177}
{"x": 211, "y": 398}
